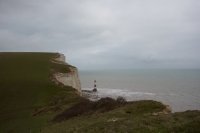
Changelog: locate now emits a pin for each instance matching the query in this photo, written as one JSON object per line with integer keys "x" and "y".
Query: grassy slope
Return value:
{"x": 136, "y": 117}
{"x": 25, "y": 85}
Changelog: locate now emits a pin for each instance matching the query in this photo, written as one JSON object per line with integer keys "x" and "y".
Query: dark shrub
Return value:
{"x": 82, "y": 107}
{"x": 105, "y": 104}
{"x": 85, "y": 107}
{"x": 121, "y": 99}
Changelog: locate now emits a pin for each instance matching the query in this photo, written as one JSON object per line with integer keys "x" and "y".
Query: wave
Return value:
{"x": 118, "y": 92}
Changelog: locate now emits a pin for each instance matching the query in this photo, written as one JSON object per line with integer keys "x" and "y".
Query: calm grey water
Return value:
{"x": 178, "y": 88}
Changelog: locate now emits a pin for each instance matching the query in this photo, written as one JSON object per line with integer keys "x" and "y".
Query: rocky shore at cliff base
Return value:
{"x": 91, "y": 95}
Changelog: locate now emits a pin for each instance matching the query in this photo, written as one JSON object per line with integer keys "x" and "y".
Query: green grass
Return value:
{"x": 130, "y": 118}
{"x": 31, "y": 101}
{"x": 26, "y": 86}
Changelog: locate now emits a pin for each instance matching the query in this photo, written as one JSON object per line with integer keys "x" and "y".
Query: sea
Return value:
{"x": 178, "y": 88}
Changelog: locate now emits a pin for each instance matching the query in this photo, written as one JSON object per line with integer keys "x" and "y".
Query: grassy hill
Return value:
{"x": 134, "y": 117}
{"x": 26, "y": 89}
{"x": 31, "y": 102}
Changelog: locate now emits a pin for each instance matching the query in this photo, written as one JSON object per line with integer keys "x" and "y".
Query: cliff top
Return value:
{"x": 27, "y": 90}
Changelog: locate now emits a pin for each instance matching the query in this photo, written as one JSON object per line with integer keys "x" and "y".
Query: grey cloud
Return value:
{"x": 107, "y": 33}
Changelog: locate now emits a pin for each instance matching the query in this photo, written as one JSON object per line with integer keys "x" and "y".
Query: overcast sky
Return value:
{"x": 105, "y": 34}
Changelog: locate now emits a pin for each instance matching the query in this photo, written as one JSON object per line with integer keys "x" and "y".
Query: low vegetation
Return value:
{"x": 131, "y": 117}
{"x": 32, "y": 102}
{"x": 87, "y": 107}
{"x": 29, "y": 98}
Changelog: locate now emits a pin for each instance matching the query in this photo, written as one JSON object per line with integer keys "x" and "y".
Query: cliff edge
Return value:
{"x": 68, "y": 79}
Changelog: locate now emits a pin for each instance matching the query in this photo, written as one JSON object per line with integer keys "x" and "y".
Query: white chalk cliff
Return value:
{"x": 68, "y": 79}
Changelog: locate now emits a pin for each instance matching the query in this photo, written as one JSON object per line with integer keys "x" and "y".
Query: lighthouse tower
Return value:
{"x": 95, "y": 86}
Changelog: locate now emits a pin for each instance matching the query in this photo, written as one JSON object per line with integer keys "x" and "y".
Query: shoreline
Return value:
{"x": 136, "y": 96}
{"x": 91, "y": 95}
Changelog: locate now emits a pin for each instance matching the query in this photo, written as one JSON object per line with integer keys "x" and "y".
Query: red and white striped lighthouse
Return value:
{"x": 95, "y": 86}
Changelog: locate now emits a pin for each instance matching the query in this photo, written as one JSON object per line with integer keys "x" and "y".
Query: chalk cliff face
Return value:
{"x": 61, "y": 59}
{"x": 68, "y": 79}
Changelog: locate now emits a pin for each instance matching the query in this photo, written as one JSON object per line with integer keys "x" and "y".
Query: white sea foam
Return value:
{"x": 108, "y": 92}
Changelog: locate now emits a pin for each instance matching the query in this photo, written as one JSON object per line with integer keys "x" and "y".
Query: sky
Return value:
{"x": 105, "y": 34}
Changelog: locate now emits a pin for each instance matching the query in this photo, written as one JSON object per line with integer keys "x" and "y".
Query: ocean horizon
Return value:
{"x": 179, "y": 88}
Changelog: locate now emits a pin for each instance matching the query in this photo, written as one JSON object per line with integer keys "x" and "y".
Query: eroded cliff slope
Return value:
{"x": 68, "y": 79}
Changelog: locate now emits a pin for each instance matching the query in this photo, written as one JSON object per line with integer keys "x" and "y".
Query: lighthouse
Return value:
{"x": 95, "y": 86}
